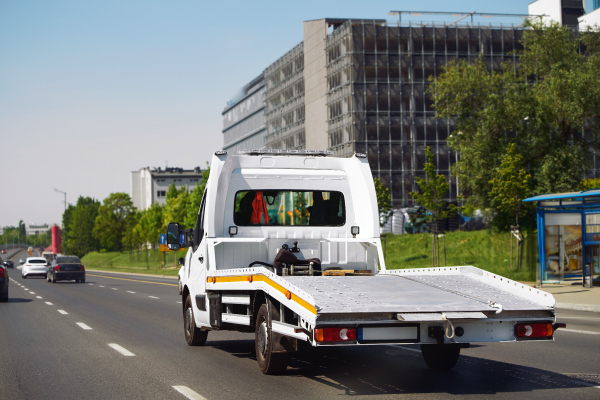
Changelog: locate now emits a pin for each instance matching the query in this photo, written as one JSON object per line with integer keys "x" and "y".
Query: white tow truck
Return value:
{"x": 286, "y": 245}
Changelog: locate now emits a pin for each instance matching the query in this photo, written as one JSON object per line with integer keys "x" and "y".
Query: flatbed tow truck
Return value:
{"x": 286, "y": 245}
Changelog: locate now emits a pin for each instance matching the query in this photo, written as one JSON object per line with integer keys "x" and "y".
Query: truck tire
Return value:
{"x": 269, "y": 363}
{"x": 440, "y": 357}
{"x": 194, "y": 336}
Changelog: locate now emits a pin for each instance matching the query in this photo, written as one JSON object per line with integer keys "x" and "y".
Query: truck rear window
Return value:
{"x": 289, "y": 207}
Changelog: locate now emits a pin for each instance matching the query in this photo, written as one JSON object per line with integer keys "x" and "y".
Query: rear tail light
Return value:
{"x": 335, "y": 334}
{"x": 57, "y": 268}
{"x": 82, "y": 268}
{"x": 1, "y": 272}
{"x": 534, "y": 330}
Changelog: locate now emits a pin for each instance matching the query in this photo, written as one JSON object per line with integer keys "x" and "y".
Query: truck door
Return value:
{"x": 197, "y": 269}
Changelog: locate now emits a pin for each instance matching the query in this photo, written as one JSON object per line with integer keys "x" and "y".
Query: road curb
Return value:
{"x": 578, "y": 307}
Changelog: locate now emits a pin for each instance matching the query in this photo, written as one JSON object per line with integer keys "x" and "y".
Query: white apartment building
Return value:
{"x": 149, "y": 186}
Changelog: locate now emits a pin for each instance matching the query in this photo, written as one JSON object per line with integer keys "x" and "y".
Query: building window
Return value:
{"x": 161, "y": 193}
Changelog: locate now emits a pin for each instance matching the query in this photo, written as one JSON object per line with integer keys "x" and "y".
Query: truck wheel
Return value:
{"x": 194, "y": 336}
{"x": 269, "y": 363}
{"x": 440, "y": 357}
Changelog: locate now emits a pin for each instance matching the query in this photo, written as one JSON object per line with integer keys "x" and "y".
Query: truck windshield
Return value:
{"x": 289, "y": 207}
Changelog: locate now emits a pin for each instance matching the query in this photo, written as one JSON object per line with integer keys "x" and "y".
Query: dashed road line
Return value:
{"x": 130, "y": 292}
{"x": 39, "y": 297}
{"x": 101, "y": 286}
{"x": 188, "y": 393}
{"x": 152, "y": 297}
{"x": 133, "y": 280}
{"x": 63, "y": 312}
{"x": 50, "y": 304}
{"x": 114, "y": 288}
{"x": 578, "y": 331}
{"x": 121, "y": 350}
{"x": 178, "y": 302}
{"x": 32, "y": 292}
{"x": 84, "y": 326}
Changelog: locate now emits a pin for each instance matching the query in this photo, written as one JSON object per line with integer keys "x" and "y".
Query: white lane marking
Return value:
{"x": 403, "y": 348}
{"x": 63, "y": 312}
{"x": 39, "y": 297}
{"x": 130, "y": 292}
{"x": 101, "y": 286}
{"x": 90, "y": 283}
{"x": 178, "y": 302}
{"x": 114, "y": 288}
{"x": 581, "y": 318}
{"x": 121, "y": 350}
{"x": 50, "y": 304}
{"x": 188, "y": 393}
{"x": 83, "y": 326}
{"x": 578, "y": 331}
{"x": 32, "y": 292}
{"x": 152, "y": 297}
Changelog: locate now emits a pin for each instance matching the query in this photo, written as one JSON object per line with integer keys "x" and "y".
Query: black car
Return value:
{"x": 65, "y": 268}
{"x": 9, "y": 264}
{"x": 3, "y": 283}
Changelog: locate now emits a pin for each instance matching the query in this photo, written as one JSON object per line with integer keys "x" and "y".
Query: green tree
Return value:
{"x": 542, "y": 104}
{"x": 79, "y": 237}
{"x": 115, "y": 218}
{"x": 384, "y": 202}
{"x": 176, "y": 208}
{"x": 151, "y": 224}
{"x": 589, "y": 184}
{"x": 195, "y": 200}
{"x": 511, "y": 185}
{"x": 432, "y": 190}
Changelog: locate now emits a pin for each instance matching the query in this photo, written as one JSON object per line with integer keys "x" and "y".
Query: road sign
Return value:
{"x": 162, "y": 239}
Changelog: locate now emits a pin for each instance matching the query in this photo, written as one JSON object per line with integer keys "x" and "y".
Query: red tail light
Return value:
{"x": 57, "y": 268}
{"x": 82, "y": 268}
{"x": 1, "y": 272}
{"x": 335, "y": 334}
{"x": 534, "y": 330}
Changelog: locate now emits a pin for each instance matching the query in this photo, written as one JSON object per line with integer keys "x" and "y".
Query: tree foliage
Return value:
{"x": 511, "y": 186}
{"x": 541, "y": 105}
{"x": 116, "y": 216}
{"x": 589, "y": 184}
{"x": 78, "y": 227}
{"x": 384, "y": 202}
{"x": 432, "y": 190}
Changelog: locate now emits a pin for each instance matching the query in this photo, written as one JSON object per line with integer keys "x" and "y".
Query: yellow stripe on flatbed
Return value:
{"x": 262, "y": 278}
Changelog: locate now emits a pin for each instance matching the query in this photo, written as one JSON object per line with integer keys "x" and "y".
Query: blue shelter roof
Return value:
{"x": 577, "y": 196}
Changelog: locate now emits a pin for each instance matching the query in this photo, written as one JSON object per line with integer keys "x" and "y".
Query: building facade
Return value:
{"x": 244, "y": 118}
{"x": 149, "y": 186}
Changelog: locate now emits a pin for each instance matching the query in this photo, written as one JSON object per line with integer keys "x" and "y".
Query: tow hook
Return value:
{"x": 557, "y": 325}
{"x": 436, "y": 332}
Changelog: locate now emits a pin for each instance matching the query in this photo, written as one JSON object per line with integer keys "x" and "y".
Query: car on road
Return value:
{"x": 3, "y": 283}
{"x": 9, "y": 264}
{"x": 3, "y": 251}
{"x": 34, "y": 266}
{"x": 65, "y": 268}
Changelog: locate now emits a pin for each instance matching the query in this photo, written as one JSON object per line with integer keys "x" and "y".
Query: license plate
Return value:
{"x": 389, "y": 334}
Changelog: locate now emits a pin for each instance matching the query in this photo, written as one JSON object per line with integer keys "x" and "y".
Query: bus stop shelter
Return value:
{"x": 568, "y": 236}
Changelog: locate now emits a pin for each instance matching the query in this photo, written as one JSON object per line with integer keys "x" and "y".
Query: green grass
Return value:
{"x": 481, "y": 249}
{"x": 129, "y": 262}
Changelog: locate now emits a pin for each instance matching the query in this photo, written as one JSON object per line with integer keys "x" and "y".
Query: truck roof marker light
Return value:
{"x": 212, "y": 280}
{"x": 288, "y": 295}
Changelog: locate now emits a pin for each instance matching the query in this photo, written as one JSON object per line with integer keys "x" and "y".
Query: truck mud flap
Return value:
{"x": 214, "y": 300}
{"x": 281, "y": 343}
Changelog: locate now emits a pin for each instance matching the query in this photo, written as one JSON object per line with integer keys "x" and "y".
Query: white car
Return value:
{"x": 34, "y": 266}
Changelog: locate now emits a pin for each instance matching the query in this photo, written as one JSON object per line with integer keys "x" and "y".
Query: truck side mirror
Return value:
{"x": 173, "y": 233}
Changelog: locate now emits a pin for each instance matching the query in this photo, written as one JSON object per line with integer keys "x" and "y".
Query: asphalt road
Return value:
{"x": 121, "y": 336}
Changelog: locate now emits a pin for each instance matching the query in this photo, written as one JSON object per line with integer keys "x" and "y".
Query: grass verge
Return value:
{"x": 133, "y": 262}
{"x": 481, "y": 249}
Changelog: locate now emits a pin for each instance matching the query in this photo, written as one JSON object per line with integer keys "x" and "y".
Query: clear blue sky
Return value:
{"x": 91, "y": 90}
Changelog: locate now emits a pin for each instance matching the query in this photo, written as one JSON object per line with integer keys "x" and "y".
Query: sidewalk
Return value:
{"x": 574, "y": 297}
